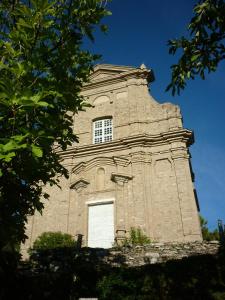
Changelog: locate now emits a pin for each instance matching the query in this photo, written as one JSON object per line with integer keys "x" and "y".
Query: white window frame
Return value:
{"x": 102, "y": 130}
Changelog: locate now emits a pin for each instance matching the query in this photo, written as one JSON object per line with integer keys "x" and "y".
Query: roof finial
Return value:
{"x": 142, "y": 66}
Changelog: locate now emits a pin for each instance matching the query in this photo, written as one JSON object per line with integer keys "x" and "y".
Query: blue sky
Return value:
{"x": 138, "y": 33}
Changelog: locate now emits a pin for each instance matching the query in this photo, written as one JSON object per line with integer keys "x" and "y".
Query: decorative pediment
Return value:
{"x": 100, "y": 75}
{"x": 79, "y": 184}
{"x": 104, "y": 75}
{"x": 107, "y": 71}
{"x": 92, "y": 163}
{"x": 98, "y": 162}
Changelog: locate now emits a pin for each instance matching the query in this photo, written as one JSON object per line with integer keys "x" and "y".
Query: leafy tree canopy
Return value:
{"x": 204, "y": 49}
{"x": 42, "y": 68}
{"x": 206, "y": 233}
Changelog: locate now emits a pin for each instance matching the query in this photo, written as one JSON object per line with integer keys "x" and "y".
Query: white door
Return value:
{"x": 100, "y": 226}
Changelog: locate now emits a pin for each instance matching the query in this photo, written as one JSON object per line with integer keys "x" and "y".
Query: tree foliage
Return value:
{"x": 42, "y": 68}
{"x": 206, "y": 233}
{"x": 53, "y": 240}
{"x": 204, "y": 49}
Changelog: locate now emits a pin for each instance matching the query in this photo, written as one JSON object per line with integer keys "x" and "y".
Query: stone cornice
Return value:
{"x": 143, "y": 140}
{"x": 135, "y": 73}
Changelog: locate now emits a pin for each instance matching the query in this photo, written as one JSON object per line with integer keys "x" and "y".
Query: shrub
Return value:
{"x": 136, "y": 237}
{"x": 53, "y": 240}
{"x": 53, "y": 251}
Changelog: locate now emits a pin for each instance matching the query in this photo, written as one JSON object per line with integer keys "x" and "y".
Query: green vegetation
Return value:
{"x": 204, "y": 49}
{"x": 86, "y": 275}
{"x": 206, "y": 234}
{"x": 53, "y": 240}
{"x": 43, "y": 66}
{"x": 52, "y": 251}
{"x": 136, "y": 237}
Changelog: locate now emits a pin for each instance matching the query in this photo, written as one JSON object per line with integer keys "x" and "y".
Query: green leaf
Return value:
{"x": 7, "y": 157}
{"x": 43, "y": 103}
{"x": 195, "y": 57}
{"x": 11, "y": 145}
{"x": 205, "y": 42}
{"x": 104, "y": 28}
{"x": 37, "y": 151}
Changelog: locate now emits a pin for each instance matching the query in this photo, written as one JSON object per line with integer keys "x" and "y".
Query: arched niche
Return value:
{"x": 100, "y": 179}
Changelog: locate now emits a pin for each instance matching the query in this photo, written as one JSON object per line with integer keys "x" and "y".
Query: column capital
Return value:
{"x": 180, "y": 154}
{"x": 121, "y": 178}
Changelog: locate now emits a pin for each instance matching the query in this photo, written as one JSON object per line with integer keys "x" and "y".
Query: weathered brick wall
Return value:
{"x": 146, "y": 172}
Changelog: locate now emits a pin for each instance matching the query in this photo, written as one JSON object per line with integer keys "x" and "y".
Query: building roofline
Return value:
{"x": 121, "y": 73}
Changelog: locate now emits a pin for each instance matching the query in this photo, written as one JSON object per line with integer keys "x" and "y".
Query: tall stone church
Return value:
{"x": 131, "y": 167}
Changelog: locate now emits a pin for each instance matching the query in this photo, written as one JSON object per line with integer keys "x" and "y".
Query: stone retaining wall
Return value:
{"x": 155, "y": 253}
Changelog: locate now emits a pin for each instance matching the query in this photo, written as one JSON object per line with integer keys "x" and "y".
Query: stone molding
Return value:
{"x": 79, "y": 184}
{"x": 140, "y": 157}
{"x": 120, "y": 178}
{"x": 180, "y": 155}
{"x": 122, "y": 75}
{"x": 146, "y": 140}
{"x": 95, "y": 162}
{"x": 79, "y": 168}
{"x": 121, "y": 161}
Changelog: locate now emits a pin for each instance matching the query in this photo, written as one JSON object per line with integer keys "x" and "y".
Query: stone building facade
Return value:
{"x": 131, "y": 167}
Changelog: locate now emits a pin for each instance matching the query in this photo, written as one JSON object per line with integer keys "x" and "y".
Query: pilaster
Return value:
{"x": 185, "y": 189}
{"x": 121, "y": 181}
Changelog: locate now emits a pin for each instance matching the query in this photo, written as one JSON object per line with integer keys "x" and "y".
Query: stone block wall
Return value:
{"x": 153, "y": 253}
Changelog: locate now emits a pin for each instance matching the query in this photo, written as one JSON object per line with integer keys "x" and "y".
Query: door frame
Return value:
{"x": 99, "y": 202}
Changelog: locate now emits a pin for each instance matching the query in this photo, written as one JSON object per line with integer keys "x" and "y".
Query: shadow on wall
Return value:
{"x": 69, "y": 273}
